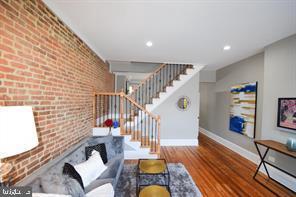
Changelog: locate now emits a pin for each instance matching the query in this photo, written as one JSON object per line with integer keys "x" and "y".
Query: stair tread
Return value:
{"x": 131, "y": 118}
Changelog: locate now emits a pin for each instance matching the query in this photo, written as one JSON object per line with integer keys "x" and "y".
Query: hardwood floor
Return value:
{"x": 218, "y": 171}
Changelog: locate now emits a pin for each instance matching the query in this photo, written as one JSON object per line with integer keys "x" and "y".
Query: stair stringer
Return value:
{"x": 136, "y": 152}
{"x": 163, "y": 96}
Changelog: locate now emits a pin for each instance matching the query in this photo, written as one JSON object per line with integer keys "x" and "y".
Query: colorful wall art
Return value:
{"x": 243, "y": 109}
{"x": 287, "y": 113}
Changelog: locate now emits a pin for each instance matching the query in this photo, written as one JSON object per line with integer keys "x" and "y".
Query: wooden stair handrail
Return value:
{"x": 108, "y": 93}
{"x": 140, "y": 107}
{"x": 148, "y": 77}
{"x": 153, "y": 142}
{"x": 130, "y": 99}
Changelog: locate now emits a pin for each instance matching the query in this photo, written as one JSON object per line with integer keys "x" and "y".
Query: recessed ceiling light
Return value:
{"x": 226, "y": 47}
{"x": 149, "y": 44}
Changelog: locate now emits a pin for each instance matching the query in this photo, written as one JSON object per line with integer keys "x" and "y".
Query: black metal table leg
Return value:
{"x": 278, "y": 147}
{"x": 137, "y": 179}
{"x": 262, "y": 161}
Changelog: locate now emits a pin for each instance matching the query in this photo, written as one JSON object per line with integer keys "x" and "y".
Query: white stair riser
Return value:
{"x": 138, "y": 155}
{"x": 171, "y": 89}
{"x": 104, "y": 131}
{"x": 137, "y": 151}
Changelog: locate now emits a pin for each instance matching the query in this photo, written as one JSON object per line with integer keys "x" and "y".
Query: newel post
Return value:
{"x": 95, "y": 110}
{"x": 158, "y": 147}
{"x": 121, "y": 120}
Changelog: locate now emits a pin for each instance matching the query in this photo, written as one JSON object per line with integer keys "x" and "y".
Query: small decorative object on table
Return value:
{"x": 115, "y": 124}
{"x": 109, "y": 123}
{"x": 291, "y": 144}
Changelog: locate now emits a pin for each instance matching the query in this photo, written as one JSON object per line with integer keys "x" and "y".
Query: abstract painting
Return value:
{"x": 243, "y": 109}
{"x": 287, "y": 113}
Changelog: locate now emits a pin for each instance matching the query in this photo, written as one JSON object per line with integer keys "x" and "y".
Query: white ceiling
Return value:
{"x": 181, "y": 31}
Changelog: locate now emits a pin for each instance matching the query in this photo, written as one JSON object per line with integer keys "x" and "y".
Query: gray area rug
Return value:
{"x": 181, "y": 183}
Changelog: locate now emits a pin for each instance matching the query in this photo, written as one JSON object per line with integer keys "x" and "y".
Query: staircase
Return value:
{"x": 140, "y": 127}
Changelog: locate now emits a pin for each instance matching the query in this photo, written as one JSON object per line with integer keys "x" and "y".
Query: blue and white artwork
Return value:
{"x": 243, "y": 109}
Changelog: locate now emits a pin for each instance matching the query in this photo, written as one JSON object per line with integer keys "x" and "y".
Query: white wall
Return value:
{"x": 279, "y": 81}
{"x": 208, "y": 76}
{"x": 275, "y": 70}
{"x": 135, "y": 67}
{"x": 176, "y": 124}
{"x": 215, "y": 99}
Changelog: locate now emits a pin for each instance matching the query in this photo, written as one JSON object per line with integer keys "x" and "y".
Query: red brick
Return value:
{"x": 8, "y": 83}
{"x": 3, "y": 90}
{"x": 17, "y": 91}
{"x": 45, "y": 65}
{"x": 5, "y": 20}
{"x": 14, "y": 31}
{"x": 6, "y": 48}
{"x": 18, "y": 65}
{"x": 15, "y": 78}
{"x": 6, "y": 69}
{"x": 3, "y": 62}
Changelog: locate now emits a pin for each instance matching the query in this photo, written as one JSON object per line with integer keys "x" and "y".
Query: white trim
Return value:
{"x": 178, "y": 142}
{"x": 276, "y": 174}
{"x": 104, "y": 131}
{"x": 243, "y": 152}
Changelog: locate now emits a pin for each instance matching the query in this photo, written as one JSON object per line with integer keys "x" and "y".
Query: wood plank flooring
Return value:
{"x": 218, "y": 171}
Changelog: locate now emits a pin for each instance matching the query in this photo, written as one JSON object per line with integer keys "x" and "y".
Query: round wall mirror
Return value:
{"x": 183, "y": 103}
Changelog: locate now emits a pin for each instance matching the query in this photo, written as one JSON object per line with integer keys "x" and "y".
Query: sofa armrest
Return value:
{"x": 97, "y": 183}
{"x": 115, "y": 147}
{"x": 113, "y": 166}
{"x": 114, "y": 144}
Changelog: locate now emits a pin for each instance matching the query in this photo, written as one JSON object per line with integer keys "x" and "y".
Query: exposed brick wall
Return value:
{"x": 45, "y": 65}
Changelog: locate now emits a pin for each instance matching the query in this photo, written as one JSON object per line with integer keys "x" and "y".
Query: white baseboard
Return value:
{"x": 274, "y": 173}
{"x": 243, "y": 152}
{"x": 178, "y": 142}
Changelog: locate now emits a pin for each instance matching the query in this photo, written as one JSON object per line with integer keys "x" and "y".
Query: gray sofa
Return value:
{"x": 46, "y": 176}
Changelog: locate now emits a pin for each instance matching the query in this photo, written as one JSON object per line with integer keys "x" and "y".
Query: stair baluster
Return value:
{"x": 130, "y": 110}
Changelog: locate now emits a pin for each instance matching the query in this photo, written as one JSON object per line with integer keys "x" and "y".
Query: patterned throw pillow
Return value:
{"x": 101, "y": 148}
{"x": 69, "y": 170}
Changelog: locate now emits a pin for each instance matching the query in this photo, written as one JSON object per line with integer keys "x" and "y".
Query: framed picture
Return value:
{"x": 243, "y": 109}
{"x": 287, "y": 113}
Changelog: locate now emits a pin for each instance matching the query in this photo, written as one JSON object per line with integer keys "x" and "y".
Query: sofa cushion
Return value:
{"x": 76, "y": 155}
{"x": 91, "y": 169}
{"x": 105, "y": 190}
{"x": 69, "y": 170}
{"x": 112, "y": 167}
{"x": 101, "y": 148}
{"x": 61, "y": 184}
{"x": 98, "y": 183}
